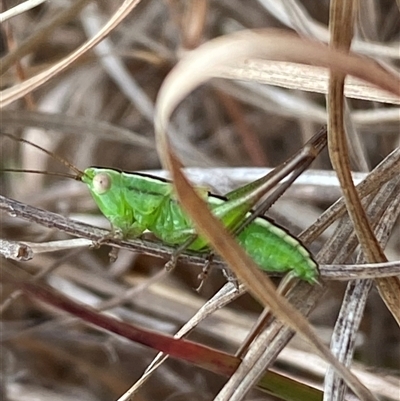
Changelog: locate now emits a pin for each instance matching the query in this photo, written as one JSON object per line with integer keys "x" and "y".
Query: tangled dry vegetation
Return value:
{"x": 75, "y": 326}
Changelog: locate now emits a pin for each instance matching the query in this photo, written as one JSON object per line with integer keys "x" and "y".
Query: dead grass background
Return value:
{"x": 94, "y": 114}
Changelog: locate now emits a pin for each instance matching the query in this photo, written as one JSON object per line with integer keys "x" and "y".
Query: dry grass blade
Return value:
{"x": 355, "y": 298}
{"x": 342, "y": 15}
{"x": 91, "y": 19}
{"x": 223, "y": 297}
{"x": 19, "y": 9}
{"x": 15, "y": 250}
{"x": 8, "y": 96}
{"x": 385, "y": 171}
{"x": 302, "y": 77}
{"x": 77, "y": 125}
{"x": 37, "y": 38}
{"x": 272, "y": 44}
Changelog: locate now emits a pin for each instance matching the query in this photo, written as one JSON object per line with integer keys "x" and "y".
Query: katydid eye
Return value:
{"x": 101, "y": 183}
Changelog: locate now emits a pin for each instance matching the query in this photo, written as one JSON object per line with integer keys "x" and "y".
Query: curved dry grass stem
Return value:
{"x": 35, "y": 40}
{"x": 8, "y": 96}
{"x": 341, "y": 24}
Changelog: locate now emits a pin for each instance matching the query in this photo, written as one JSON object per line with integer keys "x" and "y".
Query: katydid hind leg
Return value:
{"x": 205, "y": 270}
{"x": 302, "y": 159}
{"x": 242, "y": 200}
{"x": 262, "y": 208}
{"x": 293, "y": 168}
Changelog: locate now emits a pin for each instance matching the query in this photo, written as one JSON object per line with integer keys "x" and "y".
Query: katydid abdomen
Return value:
{"x": 135, "y": 203}
{"x": 274, "y": 249}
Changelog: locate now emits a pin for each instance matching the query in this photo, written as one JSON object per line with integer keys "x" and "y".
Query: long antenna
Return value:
{"x": 53, "y": 155}
{"x": 16, "y": 170}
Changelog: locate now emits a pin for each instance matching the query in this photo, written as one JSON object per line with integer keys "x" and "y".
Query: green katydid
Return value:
{"x": 135, "y": 203}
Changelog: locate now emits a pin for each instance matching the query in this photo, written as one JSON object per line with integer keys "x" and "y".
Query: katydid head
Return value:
{"x": 78, "y": 173}
{"x": 105, "y": 187}
{"x": 100, "y": 180}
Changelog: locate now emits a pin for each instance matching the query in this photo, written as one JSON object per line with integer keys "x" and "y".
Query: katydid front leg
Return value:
{"x": 171, "y": 264}
{"x": 295, "y": 166}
